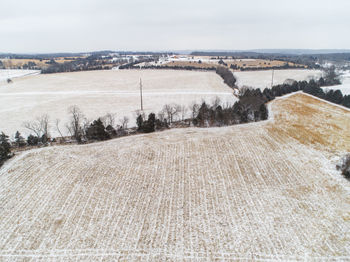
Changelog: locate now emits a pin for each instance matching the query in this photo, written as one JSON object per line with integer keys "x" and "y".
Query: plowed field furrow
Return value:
{"x": 260, "y": 191}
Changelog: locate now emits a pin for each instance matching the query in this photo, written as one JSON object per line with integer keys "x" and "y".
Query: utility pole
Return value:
{"x": 141, "y": 94}
{"x": 273, "y": 71}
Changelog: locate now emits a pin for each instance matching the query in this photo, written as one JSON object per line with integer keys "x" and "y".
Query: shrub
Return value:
{"x": 344, "y": 166}
{"x": 20, "y": 142}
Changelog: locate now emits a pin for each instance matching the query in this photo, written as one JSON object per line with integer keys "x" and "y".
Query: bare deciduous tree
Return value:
{"x": 171, "y": 111}
{"x": 33, "y": 126}
{"x": 216, "y": 102}
{"x": 183, "y": 111}
{"x": 75, "y": 123}
{"x": 243, "y": 90}
{"x": 40, "y": 126}
{"x": 124, "y": 122}
{"x": 58, "y": 128}
{"x": 194, "y": 108}
{"x": 108, "y": 119}
{"x": 161, "y": 115}
{"x": 44, "y": 123}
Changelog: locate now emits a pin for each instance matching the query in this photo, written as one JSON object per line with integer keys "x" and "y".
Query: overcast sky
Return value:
{"x": 153, "y": 25}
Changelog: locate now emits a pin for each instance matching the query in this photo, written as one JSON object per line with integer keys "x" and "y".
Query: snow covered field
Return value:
{"x": 266, "y": 190}
{"x": 345, "y": 86}
{"x": 262, "y": 79}
{"x": 14, "y": 73}
{"x": 99, "y": 92}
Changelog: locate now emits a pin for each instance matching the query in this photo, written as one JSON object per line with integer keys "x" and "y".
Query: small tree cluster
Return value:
{"x": 151, "y": 124}
{"x": 251, "y": 107}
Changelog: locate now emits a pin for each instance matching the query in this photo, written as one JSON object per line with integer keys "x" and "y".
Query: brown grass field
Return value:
{"x": 253, "y": 63}
{"x": 202, "y": 65}
{"x": 9, "y": 63}
{"x": 259, "y": 191}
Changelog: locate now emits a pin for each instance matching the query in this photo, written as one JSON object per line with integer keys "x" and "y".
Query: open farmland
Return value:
{"x": 262, "y": 79}
{"x": 212, "y": 61}
{"x": 15, "y": 74}
{"x": 264, "y": 190}
{"x": 99, "y": 92}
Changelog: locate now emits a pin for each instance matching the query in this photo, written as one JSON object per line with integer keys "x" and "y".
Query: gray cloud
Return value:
{"x": 84, "y": 25}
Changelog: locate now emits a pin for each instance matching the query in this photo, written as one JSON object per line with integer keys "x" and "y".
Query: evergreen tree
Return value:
{"x": 346, "y": 101}
{"x": 20, "y": 141}
{"x": 139, "y": 122}
{"x": 264, "y": 113}
{"x": 97, "y": 131}
{"x": 149, "y": 125}
{"x": 5, "y": 148}
{"x": 32, "y": 140}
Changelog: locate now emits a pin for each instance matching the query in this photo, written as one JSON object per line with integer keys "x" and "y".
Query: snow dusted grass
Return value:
{"x": 263, "y": 190}
{"x": 262, "y": 79}
{"x": 99, "y": 92}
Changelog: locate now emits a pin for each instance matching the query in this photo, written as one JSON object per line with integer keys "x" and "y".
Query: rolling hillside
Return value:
{"x": 266, "y": 190}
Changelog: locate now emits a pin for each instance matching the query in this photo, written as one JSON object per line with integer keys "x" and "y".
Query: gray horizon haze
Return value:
{"x": 40, "y": 26}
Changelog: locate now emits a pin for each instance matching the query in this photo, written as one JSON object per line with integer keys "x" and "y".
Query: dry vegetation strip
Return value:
{"x": 313, "y": 122}
{"x": 247, "y": 191}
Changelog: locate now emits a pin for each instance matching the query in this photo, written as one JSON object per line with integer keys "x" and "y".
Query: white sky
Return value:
{"x": 153, "y": 25}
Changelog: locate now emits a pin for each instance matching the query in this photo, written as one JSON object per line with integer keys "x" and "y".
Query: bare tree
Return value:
{"x": 216, "y": 102}
{"x": 161, "y": 115}
{"x": 171, "y": 111}
{"x": 243, "y": 90}
{"x": 40, "y": 126}
{"x": 86, "y": 124}
{"x": 75, "y": 123}
{"x": 194, "y": 108}
{"x": 124, "y": 122}
{"x": 58, "y": 128}
{"x": 108, "y": 119}
{"x": 33, "y": 126}
{"x": 183, "y": 111}
{"x": 44, "y": 123}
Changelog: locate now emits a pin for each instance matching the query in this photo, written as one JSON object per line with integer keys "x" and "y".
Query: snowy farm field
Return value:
{"x": 266, "y": 190}
{"x": 99, "y": 92}
{"x": 262, "y": 79}
{"x": 14, "y": 74}
{"x": 344, "y": 87}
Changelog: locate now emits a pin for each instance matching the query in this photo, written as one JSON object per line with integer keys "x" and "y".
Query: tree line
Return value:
{"x": 312, "y": 87}
{"x": 285, "y": 66}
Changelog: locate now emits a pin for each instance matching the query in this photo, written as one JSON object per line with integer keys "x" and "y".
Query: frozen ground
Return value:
{"x": 262, "y": 79}
{"x": 99, "y": 92}
{"x": 14, "y": 73}
{"x": 261, "y": 191}
{"x": 345, "y": 86}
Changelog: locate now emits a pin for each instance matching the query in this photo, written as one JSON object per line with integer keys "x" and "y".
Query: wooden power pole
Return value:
{"x": 273, "y": 71}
